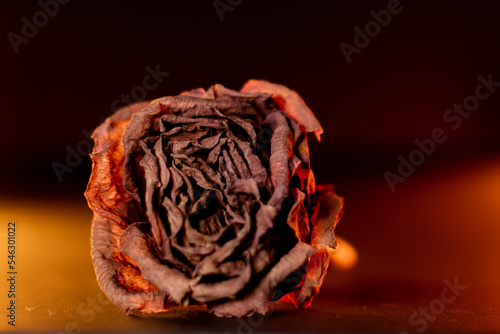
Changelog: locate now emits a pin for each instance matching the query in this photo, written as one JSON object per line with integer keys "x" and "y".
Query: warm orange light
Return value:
{"x": 344, "y": 256}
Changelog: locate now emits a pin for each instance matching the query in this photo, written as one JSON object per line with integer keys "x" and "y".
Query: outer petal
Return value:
{"x": 108, "y": 262}
{"x": 289, "y": 101}
{"x": 105, "y": 193}
{"x": 327, "y": 211}
{"x": 114, "y": 210}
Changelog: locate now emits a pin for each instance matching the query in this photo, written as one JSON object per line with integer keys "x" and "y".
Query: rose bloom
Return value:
{"x": 208, "y": 198}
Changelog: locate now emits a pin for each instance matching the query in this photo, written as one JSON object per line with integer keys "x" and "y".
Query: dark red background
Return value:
{"x": 395, "y": 91}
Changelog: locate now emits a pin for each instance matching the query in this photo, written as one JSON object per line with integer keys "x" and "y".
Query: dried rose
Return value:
{"x": 208, "y": 198}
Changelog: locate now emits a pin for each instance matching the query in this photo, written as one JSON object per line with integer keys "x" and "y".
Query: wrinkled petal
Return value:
{"x": 326, "y": 216}
{"x": 257, "y": 301}
{"x": 289, "y": 101}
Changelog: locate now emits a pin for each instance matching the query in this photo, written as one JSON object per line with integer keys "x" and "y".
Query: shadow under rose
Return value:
{"x": 197, "y": 318}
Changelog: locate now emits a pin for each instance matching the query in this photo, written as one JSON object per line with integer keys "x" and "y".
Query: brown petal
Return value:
{"x": 135, "y": 244}
{"x": 257, "y": 300}
{"x": 281, "y": 151}
{"x": 298, "y": 219}
{"x": 327, "y": 211}
{"x": 225, "y": 289}
{"x": 105, "y": 193}
{"x": 105, "y": 251}
{"x": 289, "y": 101}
